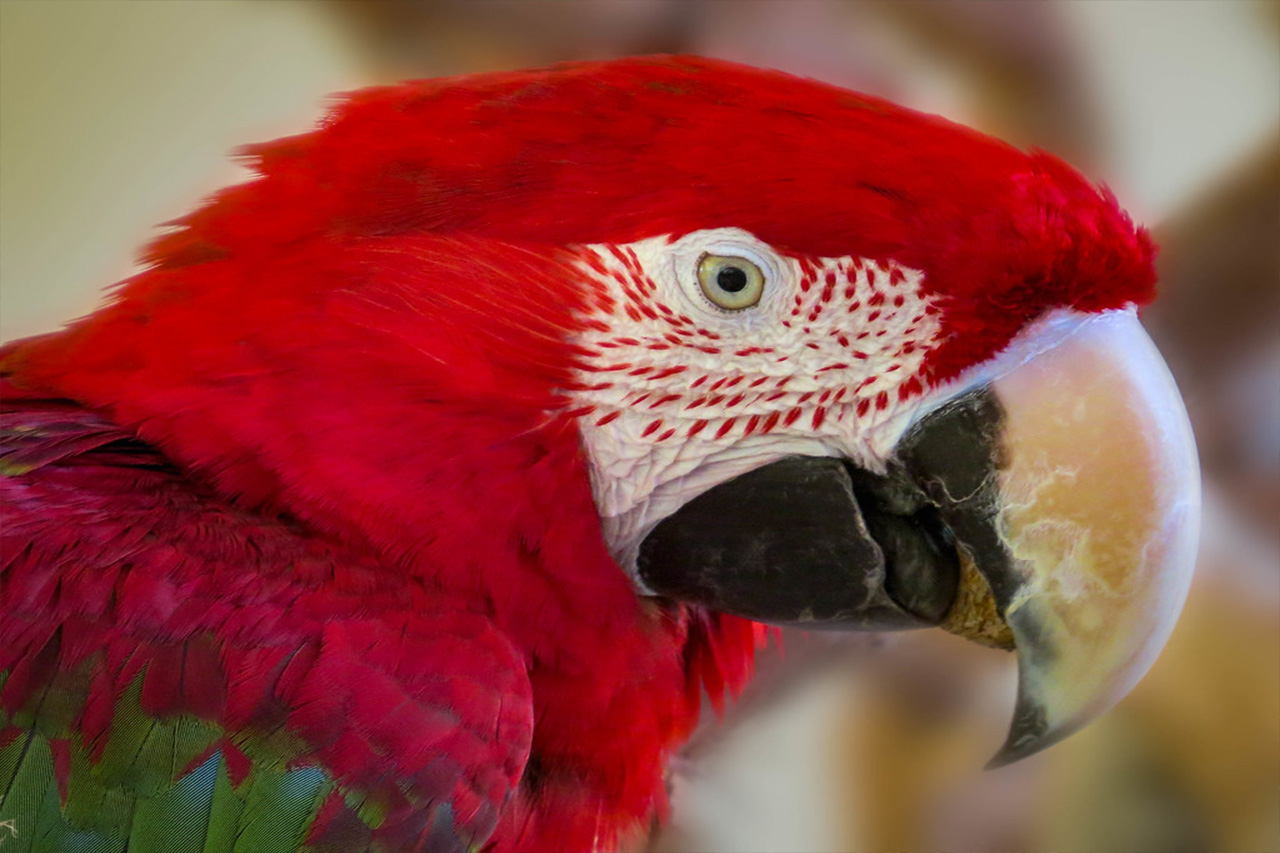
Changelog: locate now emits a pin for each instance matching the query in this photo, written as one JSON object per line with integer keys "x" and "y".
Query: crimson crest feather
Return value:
{"x": 309, "y": 495}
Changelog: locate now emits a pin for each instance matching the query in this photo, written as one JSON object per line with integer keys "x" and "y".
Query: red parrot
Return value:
{"x": 419, "y": 488}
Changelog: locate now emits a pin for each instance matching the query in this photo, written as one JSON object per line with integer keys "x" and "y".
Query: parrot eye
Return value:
{"x": 731, "y": 283}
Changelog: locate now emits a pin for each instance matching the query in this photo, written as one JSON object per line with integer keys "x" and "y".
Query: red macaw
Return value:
{"x": 414, "y": 494}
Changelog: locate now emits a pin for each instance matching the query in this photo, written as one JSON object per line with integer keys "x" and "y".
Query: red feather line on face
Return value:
{"x": 894, "y": 321}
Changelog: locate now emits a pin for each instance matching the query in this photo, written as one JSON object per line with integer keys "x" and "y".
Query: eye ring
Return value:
{"x": 730, "y": 282}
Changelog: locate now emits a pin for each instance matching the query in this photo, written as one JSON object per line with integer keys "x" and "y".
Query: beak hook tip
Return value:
{"x": 1027, "y": 736}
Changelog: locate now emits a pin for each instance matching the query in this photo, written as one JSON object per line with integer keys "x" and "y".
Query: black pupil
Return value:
{"x": 731, "y": 279}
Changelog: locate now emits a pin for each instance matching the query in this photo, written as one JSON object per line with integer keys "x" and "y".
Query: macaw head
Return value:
{"x": 824, "y": 361}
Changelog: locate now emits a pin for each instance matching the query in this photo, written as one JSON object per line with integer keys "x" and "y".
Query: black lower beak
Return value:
{"x": 809, "y": 541}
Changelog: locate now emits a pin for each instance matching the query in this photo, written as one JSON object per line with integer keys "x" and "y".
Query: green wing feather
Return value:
{"x": 140, "y": 796}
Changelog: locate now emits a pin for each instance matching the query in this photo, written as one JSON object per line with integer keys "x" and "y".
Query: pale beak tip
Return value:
{"x": 1019, "y": 746}
{"x": 1012, "y": 752}
{"x": 1029, "y": 733}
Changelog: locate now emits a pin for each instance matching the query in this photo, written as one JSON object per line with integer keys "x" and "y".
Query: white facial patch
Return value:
{"x": 677, "y": 395}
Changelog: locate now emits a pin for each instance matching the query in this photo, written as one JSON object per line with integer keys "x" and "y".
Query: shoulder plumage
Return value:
{"x": 178, "y": 675}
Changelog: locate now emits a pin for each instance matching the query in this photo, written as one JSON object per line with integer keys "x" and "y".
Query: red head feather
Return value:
{"x": 614, "y": 152}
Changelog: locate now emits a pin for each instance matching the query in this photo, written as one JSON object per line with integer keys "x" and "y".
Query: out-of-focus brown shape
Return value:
{"x": 1020, "y": 65}
{"x": 1014, "y": 64}
{"x": 1220, "y": 274}
{"x": 1218, "y": 323}
{"x": 418, "y": 38}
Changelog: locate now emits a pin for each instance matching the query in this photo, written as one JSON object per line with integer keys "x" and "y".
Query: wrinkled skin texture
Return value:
{"x": 309, "y": 494}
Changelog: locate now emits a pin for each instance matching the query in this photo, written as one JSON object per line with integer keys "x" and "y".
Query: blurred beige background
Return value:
{"x": 116, "y": 115}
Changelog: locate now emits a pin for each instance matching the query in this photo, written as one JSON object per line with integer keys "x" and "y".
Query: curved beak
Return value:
{"x": 1080, "y": 510}
{"x": 1065, "y": 474}
{"x": 1099, "y": 521}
